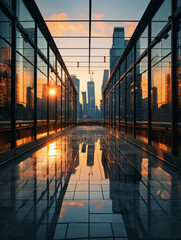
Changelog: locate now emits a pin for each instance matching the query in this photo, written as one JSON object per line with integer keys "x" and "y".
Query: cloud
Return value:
{"x": 129, "y": 28}
{"x": 98, "y": 28}
{"x": 64, "y": 28}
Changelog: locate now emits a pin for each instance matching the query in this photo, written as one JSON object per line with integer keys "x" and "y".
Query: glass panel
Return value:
{"x": 122, "y": 68}
{"x": 179, "y": 85}
{"x": 24, "y": 101}
{"x": 178, "y": 3}
{"x": 161, "y": 95}
{"x": 52, "y": 98}
{"x": 142, "y": 43}
{"x": 42, "y": 43}
{"x": 130, "y": 101}
{"x": 141, "y": 104}
{"x": 130, "y": 58}
{"x": 24, "y": 48}
{"x": 63, "y": 107}
{"x": 59, "y": 70}
{"x": 161, "y": 18}
{"x": 5, "y": 83}
{"x": 117, "y": 106}
{"x": 42, "y": 66}
{"x": 41, "y": 105}
{"x": 9, "y": 2}
{"x": 59, "y": 102}
{"x": 52, "y": 58}
{"x": 5, "y": 27}
{"x": 122, "y": 105}
{"x": 25, "y": 19}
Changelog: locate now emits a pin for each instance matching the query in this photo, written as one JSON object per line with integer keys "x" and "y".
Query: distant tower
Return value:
{"x": 118, "y": 46}
{"x": 91, "y": 99}
{"x": 105, "y": 78}
{"x": 76, "y": 82}
{"x": 84, "y": 105}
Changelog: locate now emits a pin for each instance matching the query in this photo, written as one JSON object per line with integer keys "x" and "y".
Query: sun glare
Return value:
{"x": 52, "y": 92}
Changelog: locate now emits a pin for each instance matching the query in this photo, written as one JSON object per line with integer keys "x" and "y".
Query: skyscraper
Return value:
{"x": 76, "y": 82}
{"x": 84, "y": 105}
{"x": 91, "y": 99}
{"x": 118, "y": 46}
{"x": 105, "y": 78}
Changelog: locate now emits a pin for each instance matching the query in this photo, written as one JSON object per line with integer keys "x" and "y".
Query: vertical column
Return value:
{"x": 68, "y": 120}
{"x": 35, "y": 84}
{"x": 115, "y": 100}
{"x": 149, "y": 84}
{"x": 104, "y": 107}
{"x": 134, "y": 93}
{"x": 61, "y": 95}
{"x": 13, "y": 79}
{"x": 65, "y": 102}
{"x": 119, "y": 100}
{"x": 174, "y": 137}
{"x": 48, "y": 89}
{"x": 56, "y": 95}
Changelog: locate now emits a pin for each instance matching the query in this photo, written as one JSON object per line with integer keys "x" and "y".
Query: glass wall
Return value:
{"x": 148, "y": 109}
{"x": 161, "y": 94}
{"x": 122, "y": 105}
{"x": 25, "y": 19}
{"x": 5, "y": 82}
{"x": 130, "y": 101}
{"x": 52, "y": 99}
{"x": 141, "y": 104}
{"x": 59, "y": 104}
{"x": 41, "y": 101}
{"x": 24, "y": 91}
{"x": 39, "y": 93}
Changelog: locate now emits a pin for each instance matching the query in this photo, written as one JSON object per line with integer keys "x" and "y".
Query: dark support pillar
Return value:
{"x": 61, "y": 95}
{"x": 48, "y": 89}
{"x": 35, "y": 84}
{"x": 56, "y": 96}
{"x": 174, "y": 137}
{"x": 13, "y": 80}
{"x": 149, "y": 84}
{"x": 65, "y": 103}
{"x": 115, "y": 100}
{"x": 134, "y": 77}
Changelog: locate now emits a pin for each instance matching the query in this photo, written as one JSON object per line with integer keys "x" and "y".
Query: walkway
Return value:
{"x": 89, "y": 185}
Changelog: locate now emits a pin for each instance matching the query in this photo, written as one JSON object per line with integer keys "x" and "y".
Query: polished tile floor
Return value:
{"x": 89, "y": 184}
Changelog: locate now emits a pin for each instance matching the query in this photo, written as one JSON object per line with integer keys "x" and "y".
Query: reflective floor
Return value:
{"x": 89, "y": 185}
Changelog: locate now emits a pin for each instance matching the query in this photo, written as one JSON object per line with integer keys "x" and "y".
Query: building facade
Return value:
{"x": 118, "y": 46}
{"x": 142, "y": 97}
{"x": 91, "y": 99}
{"x": 37, "y": 95}
{"x": 84, "y": 105}
{"x": 76, "y": 82}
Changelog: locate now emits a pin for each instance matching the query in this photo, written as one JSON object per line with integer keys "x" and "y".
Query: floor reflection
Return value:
{"x": 89, "y": 185}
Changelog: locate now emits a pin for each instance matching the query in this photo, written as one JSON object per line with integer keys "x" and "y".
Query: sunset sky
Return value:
{"x": 79, "y": 9}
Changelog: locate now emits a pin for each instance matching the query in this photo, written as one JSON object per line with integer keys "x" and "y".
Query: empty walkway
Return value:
{"x": 89, "y": 184}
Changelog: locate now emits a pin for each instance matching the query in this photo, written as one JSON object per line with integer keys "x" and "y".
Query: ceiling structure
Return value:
{"x": 85, "y": 39}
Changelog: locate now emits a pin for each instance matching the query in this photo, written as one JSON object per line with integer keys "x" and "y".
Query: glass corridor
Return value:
{"x": 89, "y": 184}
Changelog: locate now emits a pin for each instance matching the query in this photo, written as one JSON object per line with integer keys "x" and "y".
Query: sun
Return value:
{"x": 52, "y": 92}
